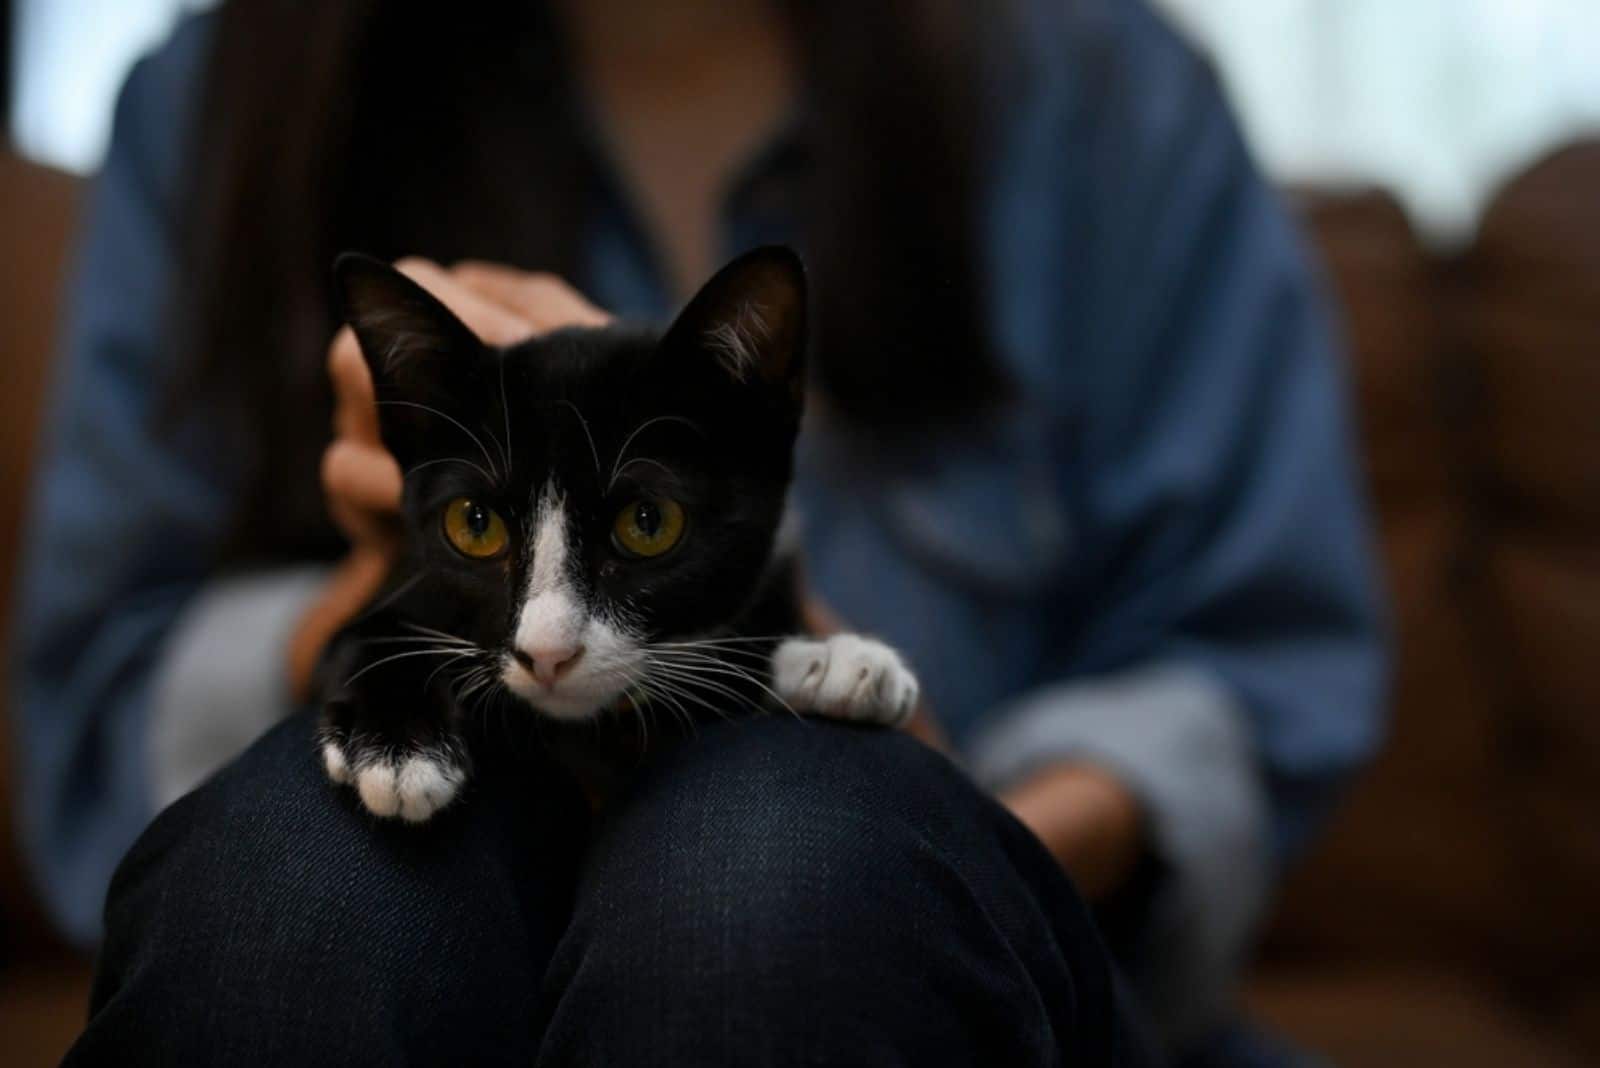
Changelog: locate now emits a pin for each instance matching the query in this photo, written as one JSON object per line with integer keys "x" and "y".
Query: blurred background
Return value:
{"x": 1445, "y": 157}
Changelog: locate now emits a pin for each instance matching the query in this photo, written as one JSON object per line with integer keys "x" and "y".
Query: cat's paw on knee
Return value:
{"x": 845, "y": 676}
{"x": 412, "y": 786}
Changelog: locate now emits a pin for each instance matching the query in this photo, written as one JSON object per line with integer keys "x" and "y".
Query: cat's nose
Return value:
{"x": 548, "y": 663}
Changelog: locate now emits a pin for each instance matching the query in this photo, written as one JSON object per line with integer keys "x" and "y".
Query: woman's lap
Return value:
{"x": 768, "y": 892}
{"x": 267, "y": 912}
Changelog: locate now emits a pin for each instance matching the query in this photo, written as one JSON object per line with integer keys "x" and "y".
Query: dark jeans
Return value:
{"x": 770, "y": 892}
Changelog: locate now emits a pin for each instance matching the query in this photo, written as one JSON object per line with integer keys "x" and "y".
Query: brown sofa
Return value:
{"x": 1450, "y": 917}
{"x": 1453, "y": 914}
{"x": 42, "y": 986}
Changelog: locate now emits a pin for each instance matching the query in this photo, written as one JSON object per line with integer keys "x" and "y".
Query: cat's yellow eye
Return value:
{"x": 475, "y": 529}
{"x": 648, "y": 527}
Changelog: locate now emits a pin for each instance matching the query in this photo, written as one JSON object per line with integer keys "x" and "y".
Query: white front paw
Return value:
{"x": 412, "y": 786}
{"x": 846, "y": 677}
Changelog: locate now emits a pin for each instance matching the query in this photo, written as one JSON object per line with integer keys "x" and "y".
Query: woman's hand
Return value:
{"x": 1088, "y": 819}
{"x": 360, "y": 478}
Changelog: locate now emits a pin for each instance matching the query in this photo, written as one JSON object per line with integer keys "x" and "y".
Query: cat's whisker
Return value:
{"x": 442, "y": 635}
{"x": 696, "y": 669}
{"x": 460, "y": 683}
{"x": 698, "y": 672}
{"x": 733, "y": 659}
{"x": 505, "y": 455}
{"x": 584, "y": 423}
{"x": 658, "y": 688}
{"x": 644, "y": 725}
{"x": 404, "y": 656}
{"x": 415, "y": 639}
{"x": 679, "y": 713}
{"x": 505, "y": 452}
{"x": 674, "y": 696}
{"x": 705, "y": 688}
{"x": 686, "y": 694}
{"x": 744, "y": 660}
{"x": 725, "y": 638}
{"x": 488, "y": 681}
{"x": 641, "y": 428}
{"x": 434, "y": 673}
{"x": 718, "y": 699}
{"x": 722, "y": 643}
{"x": 505, "y": 408}
{"x": 450, "y": 460}
{"x": 638, "y": 460}
{"x": 474, "y": 682}
{"x": 454, "y": 421}
{"x": 752, "y": 659}
{"x": 393, "y": 595}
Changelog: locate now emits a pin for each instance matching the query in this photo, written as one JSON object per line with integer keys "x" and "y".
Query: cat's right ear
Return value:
{"x": 750, "y": 320}
{"x": 421, "y": 356}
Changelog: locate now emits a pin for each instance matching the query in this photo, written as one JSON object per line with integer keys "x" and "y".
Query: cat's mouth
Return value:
{"x": 582, "y": 694}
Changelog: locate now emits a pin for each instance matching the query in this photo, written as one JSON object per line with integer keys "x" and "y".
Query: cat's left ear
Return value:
{"x": 404, "y": 331}
{"x": 751, "y": 320}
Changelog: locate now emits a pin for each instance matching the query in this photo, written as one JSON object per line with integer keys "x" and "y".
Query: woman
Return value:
{"x": 1077, "y": 449}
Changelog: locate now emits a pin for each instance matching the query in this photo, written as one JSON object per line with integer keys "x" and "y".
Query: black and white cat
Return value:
{"x": 591, "y": 525}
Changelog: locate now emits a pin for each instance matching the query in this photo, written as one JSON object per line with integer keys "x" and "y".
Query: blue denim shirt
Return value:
{"x": 1157, "y": 561}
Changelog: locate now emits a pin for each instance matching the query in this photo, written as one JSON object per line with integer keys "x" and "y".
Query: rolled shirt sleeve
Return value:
{"x": 1178, "y": 740}
{"x": 221, "y": 680}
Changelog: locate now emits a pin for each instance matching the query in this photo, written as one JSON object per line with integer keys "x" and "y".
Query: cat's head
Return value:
{"x": 575, "y": 502}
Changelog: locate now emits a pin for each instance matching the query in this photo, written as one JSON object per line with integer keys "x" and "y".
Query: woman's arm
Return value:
{"x": 1087, "y": 817}
{"x": 1230, "y": 672}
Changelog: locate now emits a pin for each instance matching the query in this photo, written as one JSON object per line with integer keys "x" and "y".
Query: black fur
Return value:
{"x": 501, "y": 425}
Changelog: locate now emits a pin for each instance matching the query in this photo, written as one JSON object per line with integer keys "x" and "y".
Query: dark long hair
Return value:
{"x": 382, "y": 126}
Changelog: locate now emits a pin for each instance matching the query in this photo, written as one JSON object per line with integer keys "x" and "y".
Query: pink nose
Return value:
{"x": 549, "y": 663}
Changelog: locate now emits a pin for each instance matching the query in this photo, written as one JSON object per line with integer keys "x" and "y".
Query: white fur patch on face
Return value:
{"x": 555, "y": 625}
{"x": 553, "y": 615}
{"x": 549, "y": 550}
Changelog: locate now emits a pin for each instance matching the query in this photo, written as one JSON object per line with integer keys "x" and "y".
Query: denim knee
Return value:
{"x": 272, "y": 914}
{"x": 783, "y": 892}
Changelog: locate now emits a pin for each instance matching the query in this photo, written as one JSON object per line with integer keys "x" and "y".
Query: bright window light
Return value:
{"x": 68, "y": 60}
{"x": 1440, "y": 101}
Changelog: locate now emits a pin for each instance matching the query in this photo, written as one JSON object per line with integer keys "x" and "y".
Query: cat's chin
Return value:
{"x": 571, "y": 709}
{"x": 571, "y": 705}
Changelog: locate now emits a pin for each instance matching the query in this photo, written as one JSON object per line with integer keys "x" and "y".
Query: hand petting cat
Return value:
{"x": 514, "y": 567}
